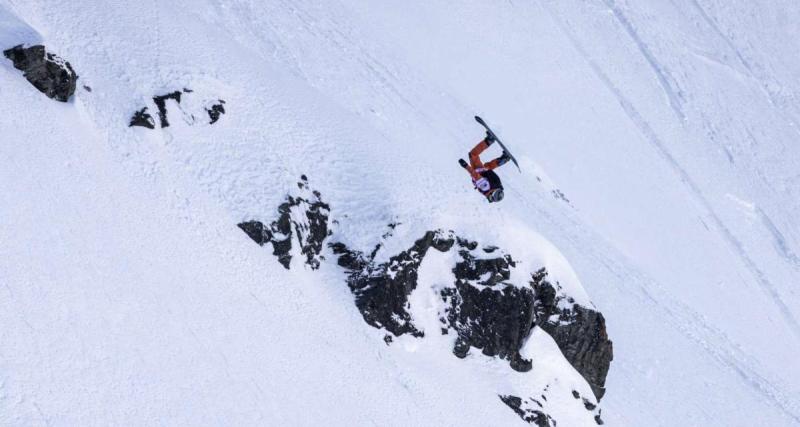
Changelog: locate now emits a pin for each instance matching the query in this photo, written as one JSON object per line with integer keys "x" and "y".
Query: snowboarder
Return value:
{"x": 483, "y": 176}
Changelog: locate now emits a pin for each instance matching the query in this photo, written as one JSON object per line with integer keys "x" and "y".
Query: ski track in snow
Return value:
{"x": 650, "y": 136}
{"x": 690, "y": 323}
{"x": 746, "y": 64}
{"x": 661, "y": 74}
{"x": 687, "y": 321}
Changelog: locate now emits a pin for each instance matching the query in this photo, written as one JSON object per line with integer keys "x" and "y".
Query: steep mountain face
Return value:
{"x": 658, "y": 194}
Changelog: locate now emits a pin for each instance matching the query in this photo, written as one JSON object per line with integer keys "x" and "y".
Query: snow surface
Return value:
{"x": 658, "y": 142}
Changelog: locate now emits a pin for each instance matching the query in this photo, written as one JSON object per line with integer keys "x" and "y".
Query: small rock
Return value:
{"x": 142, "y": 118}
{"x": 215, "y": 111}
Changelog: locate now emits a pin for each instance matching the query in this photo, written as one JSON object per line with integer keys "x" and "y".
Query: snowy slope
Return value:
{"x": 129, "y": 296}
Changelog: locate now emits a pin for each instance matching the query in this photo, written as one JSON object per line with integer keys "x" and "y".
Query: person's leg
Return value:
{"x": 496, "y": 163}
{"x": 475, "y": 154}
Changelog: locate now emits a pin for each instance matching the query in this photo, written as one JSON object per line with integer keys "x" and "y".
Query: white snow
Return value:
{"x": 129, "y": 296}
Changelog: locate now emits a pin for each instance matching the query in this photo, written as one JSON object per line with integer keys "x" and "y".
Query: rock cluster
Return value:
{"x": 302, "y": 219}
{"x": 528, "y": 412}
{"x": 382, "y": 290}
{"x": 482, "y": 306}
{"x": 213, "y": 108}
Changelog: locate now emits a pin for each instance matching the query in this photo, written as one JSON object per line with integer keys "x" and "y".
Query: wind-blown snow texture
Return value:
{"x": 658, "y": 143}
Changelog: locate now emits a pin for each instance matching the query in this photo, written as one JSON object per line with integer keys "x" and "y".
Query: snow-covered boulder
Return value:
{"x": 49, "y": 73}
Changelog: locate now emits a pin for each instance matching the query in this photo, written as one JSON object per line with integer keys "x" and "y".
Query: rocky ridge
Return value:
{"x": 483, "y": 308}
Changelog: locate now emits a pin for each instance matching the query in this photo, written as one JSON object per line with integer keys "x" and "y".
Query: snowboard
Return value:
{"x": 497, "y": 140}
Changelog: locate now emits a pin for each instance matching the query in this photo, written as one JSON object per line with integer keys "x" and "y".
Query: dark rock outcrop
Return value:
{"x": 46, "y": 71}
{"x": 487, "y": 311}
{"x": 482, "y": 306}
{"x": 303, "y": 219}
{"x": 142, "y": 118}
{"x": 161, "y": 101}
{"x": 382, "y": 290}
{"x": 526, "y": 410}
{"x": 580, "y": 332}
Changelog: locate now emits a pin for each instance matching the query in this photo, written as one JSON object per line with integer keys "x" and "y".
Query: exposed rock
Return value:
{"x": 304, "y": 217}
{"x": 487, "y": 311}
{"x": 215, "y": 111}
{"x": 142, "y": 118}
{"x": 382, "y": 291}
{"x": 525, "y": 411}
{"x": 589, "y": 406}
{"x": 482, "y": 306}
{"x": 559, "y": 195}
{"x": 580, "y": 332}
{"x": 46, "y": 71}
{"x": 160, "y": 102}
{"x": 598, "y": 420}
